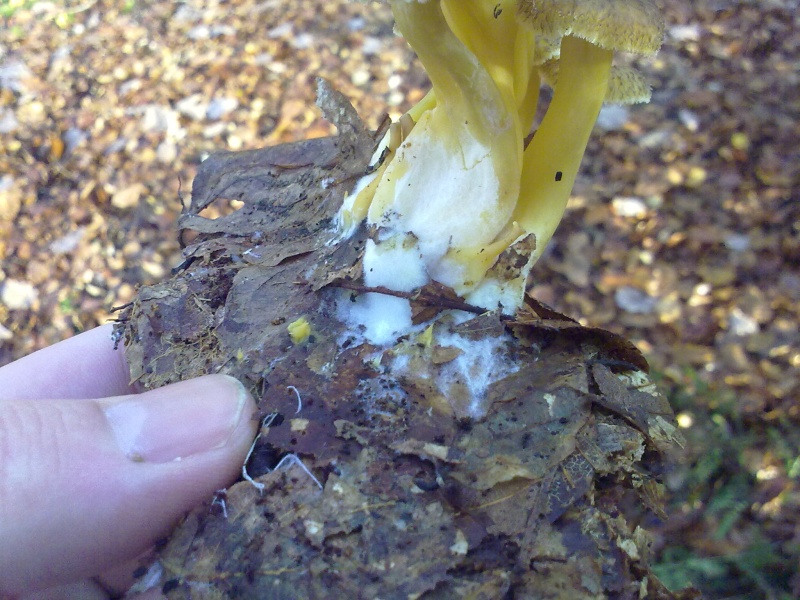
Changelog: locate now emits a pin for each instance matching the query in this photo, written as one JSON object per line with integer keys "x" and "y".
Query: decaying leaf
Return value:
{"x": 610, "y": 346}
{"x": 650, "y": 413}
{"x": 483, "y": 457}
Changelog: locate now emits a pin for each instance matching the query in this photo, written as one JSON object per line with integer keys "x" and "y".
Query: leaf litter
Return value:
{"x": 380, "y": 482}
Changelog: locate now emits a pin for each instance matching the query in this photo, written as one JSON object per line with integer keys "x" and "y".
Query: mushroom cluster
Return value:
{"x": 460, "y": 191}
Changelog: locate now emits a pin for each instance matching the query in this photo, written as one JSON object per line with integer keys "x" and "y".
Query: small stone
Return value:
{"x": 214, "y": 130}
{"x": 281, "y": 31}
{"x": 360, "y": 77}
{"x": 93, "y": 290}
{"x": 396, "y": 98}
{"x": 153, "y": 269}
{"x": 371, "y": 46}
{"x": 738, "y": 242}
{"x": 13, "y": 73}
{"x": 612, "y": 117}
{"x": 684, "y": 33}
{"x": 635, "y": 301}
{"x": 740, "y": 324}
{"x": 235, "y": 142}
{"x": 761, "y": 342}
{"x": 221, "y": 30}
{"x": 8, "y": 120}
{"x": 199, "y": 32}
{"x": 18, "y": 295}
{"x": 303, "y": 41}
{"x": 132, "y": 85}
{"x": 186, "y": 14}
{"x": 654, "y": 139}
{"x": 128, "y": 197}
{"x": 156, "y": 118}
{"x": 116, "y": 146}
{"x": 194, "y": 107}
{"x": 674, "y": 176}
{"x": 670, "y": 309}
{"x": 689, "y": 119}
{"x": 356, "y": 24}
{"x": 10, "y": 202}
{"x": 629, "y": 207}
{"x": 221, "y": 106}
{"x": 167, "y": 151}
{"x": 717, "y": 276}
{"x": 67, "y": 243}
{"x": 73, "y": 137}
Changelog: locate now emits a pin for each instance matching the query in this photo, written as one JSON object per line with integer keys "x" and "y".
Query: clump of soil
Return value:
{"x": 526, "y": 469}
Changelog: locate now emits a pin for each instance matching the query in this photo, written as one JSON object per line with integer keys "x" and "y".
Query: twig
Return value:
{"x": 418, "y": 296}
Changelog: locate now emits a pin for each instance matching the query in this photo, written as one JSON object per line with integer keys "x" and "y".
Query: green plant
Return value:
{"x": 8, "y": 8}
{"x": 726, "y": 552}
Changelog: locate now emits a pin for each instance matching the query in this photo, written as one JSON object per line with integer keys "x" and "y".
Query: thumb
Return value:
{"x": 87, "y": 484}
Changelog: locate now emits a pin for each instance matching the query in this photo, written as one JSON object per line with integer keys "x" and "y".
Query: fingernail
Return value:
{"x": 179, "y": 420}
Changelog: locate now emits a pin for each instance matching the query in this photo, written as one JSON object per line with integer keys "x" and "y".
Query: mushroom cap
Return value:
{"x": 626, "y": 85}
{"x": 546, "y": 49}
{"x": 626, "y": 25}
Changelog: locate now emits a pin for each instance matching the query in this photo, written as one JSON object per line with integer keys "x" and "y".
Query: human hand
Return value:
{"x": 92, "y": 475}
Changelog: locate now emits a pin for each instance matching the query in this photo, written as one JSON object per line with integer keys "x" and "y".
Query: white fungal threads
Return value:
{"x": 219, "y": 500}
{"x": 266, "y": 422}
{"x": 290, "y": 459}
{"x": 299, "y": 399}
{"x": 395, "y": 264}
{"x": 287, "y": 460}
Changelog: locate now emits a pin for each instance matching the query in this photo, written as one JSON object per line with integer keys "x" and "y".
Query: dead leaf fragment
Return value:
{"x": 128, "y": 197}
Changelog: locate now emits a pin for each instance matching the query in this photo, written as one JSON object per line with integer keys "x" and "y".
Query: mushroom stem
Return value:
{"x": 551, "y": 161}
{"x": 454, "y": 181}
{"x": 459, "y": 82}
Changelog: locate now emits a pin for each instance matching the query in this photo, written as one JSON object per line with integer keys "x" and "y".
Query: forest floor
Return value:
{"x": 683, "y": 232}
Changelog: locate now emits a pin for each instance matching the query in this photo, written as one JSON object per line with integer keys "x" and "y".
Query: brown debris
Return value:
{"x": 383, "y": 480}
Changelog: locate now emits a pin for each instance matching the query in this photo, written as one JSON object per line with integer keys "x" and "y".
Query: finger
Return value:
{"x": 118, "y": 579}
{"x": 85, "y": 485}
{"x": 83, "y": 590}
{"x": 85, "y": 366}
{"x": 116, "y": 582}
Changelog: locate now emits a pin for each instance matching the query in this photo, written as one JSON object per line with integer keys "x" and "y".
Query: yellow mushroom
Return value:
{"x": 461, "y": 182}
{"x": 590, "y": 32}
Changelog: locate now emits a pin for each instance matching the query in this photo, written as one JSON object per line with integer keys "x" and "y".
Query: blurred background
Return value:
{"x": 683, "y": 233}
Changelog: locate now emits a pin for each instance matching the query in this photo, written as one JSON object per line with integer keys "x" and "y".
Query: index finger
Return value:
{"x": 85, "y": 366}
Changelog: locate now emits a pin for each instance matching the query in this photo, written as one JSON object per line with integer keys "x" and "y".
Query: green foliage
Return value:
{"x": 67, "y": 305}
{"x": 8, "y": 8}
{"x": 680, "y": 568}
{"x": 725, "y": 550}
{"x": 757, "y": 572}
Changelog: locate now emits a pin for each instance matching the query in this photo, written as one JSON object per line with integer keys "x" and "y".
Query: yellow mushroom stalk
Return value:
{"x": 552, "y": 159}
{"x": 455, "y": 193}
